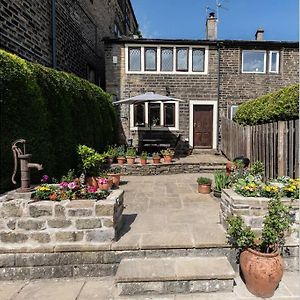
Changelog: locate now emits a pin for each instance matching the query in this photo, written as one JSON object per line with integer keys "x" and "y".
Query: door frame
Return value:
{"x": 214, "y": 103}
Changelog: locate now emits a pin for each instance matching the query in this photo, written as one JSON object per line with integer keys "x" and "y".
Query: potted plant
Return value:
{"x": 155, "y": 157}
{"x": 204, "y": 185}
{"x": 115, "y": 174}
{"x": 143, "y": 158}
{"x": 259, "y": 256}
{"x": 121, "y": 155}
{"x": 111, "y": 154}
{"x": 130, "y": 155}
{"x": 168, "y": 155}
{"x": 222, "y": 181}
{"x": 91, "y": 162}
{"x": 103, "y": 184}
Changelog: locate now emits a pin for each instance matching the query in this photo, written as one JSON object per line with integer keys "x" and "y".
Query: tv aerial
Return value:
{"x": 219, "y": 5}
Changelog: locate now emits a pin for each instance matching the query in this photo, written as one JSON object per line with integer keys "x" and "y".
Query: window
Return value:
{"x": 150, "y": 59}
{"x": 274, "y": 62}
{"x": 134, "y": 59}
{"x": 198, "y": 60}
{"x": 154, "y": 114}
{"x": 182, "y": 59}
{"x": 139, "y": 114}
{"x": 91, "y": 74}
{"x": 253, "y": 61}
{"x": 166, "y": 59}
{"x": 169, "y": 114}
{"x": 233, "y": 110}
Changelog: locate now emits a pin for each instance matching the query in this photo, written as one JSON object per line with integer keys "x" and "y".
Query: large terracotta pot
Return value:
{"x": 262, "y": 271}
{"x": 168, "y": 159}
{"x": 204, "y": 188}
{"x": 115, "y": 179}
{"x": 121, "y": 160}
{"x": 143, "y": 161}
{"x": 103, "y": 187}
{"x": 130, "y": 160}
{"x": 91, "y": 181}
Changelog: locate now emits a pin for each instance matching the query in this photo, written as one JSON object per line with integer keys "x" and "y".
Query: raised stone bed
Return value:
{"x": 28, "y": 224}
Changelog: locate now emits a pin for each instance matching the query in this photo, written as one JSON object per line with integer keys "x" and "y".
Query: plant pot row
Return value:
{"x": 143, "y": 161}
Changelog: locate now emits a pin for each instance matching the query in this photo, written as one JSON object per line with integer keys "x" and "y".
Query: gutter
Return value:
{"x": 53, "y": 33}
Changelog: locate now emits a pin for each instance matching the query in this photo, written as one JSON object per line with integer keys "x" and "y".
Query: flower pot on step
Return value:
{"x": 130, "y": 160}
{"x": 143, "y": 161}
{"x": 168, "y": 158}
{"x": 204, "y": 188}
{"x": 121, "y": 160}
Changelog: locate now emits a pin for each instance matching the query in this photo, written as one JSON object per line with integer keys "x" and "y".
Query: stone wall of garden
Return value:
{"x": 26, "y": 223}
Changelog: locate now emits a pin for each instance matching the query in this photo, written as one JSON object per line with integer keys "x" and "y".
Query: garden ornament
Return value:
{"x": 25, "y": 166}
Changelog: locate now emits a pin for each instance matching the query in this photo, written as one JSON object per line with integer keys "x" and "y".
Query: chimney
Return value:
{"x": 259, "y": 35}
{"x": 211, "y": 27}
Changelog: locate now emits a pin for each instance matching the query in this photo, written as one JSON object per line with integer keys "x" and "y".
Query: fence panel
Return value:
{"x": 276, "y": 144}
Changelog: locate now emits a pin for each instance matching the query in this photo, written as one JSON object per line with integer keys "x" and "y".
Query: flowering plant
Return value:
{"x": 102, "y": 181}
{"x": 248, "y": 186}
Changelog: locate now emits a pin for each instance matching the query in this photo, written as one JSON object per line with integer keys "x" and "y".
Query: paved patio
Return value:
{"x": 168, "y": 212}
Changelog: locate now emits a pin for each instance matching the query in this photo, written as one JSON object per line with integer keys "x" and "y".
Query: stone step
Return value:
{"x": 141, "y": 276}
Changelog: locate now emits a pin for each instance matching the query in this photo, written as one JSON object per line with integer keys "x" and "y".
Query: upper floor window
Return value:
{"x": 254, "y": 61}
{"x": 274, "y": 62}
{"x": 198, "y": 60}
{"x": 182, "y": 58}
{"x": 150, "y": 59}
{"x": 166, "y": 59}
{"x": 134, "y": 59}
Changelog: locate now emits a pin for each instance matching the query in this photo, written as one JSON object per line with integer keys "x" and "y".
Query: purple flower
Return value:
{"x": 92, "y": 189}
{"x": 103, "y": 181}
{"x": 63, "y": 185}
{"x": 45, "y": 178}
{"x": 72, "y": 185}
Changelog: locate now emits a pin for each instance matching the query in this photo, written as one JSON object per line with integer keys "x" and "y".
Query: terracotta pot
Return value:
{"x": 156, "y": 160}
{"x": 262, "y": 272}
{"x": 143, "y": 161}
{"x": 130, "y": 160}
{"x": 91, "y": 181}
{"x": 204, "y": 188}
{"x": 168, "y": 158}
{"x": 110, "y": 182}
{"x": 121, "y": 160}
{"x": 103, "y": 187}
{"x": 230, "y": 166}
{"x": 115, "y": 179}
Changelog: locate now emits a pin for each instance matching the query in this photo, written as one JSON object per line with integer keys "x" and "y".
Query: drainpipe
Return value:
{"x": 53, "y": 32}
{"x": 218, "y": 92}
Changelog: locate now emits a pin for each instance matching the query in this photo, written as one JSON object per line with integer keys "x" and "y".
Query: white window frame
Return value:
{"x": 254, "y": 72}
{"x": 158, "y": 71}
{"x": 231, "y": 109}
{"x": 215, "y": 122}
{"x": 162, "y": 117}
{"x": 277, "y": 62}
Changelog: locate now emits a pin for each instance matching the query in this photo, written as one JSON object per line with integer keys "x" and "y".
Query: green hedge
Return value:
{"x": 277, "y": 106}
{"x": 54, "y": 111}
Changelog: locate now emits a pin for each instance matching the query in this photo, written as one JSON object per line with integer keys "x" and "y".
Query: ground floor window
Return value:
{"x": 233, "y": 109}
{"x": 155, "y": 115}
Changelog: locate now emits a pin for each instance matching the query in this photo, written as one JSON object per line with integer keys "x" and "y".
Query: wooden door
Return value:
{"x": 203, "y": 126}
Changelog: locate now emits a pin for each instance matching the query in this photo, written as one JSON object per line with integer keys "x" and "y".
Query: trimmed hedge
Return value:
{"x": 277, "y": 106}
{"x": 54, "y": 112}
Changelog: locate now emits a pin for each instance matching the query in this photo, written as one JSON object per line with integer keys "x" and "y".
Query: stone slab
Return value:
{"x": 9, "y": 289}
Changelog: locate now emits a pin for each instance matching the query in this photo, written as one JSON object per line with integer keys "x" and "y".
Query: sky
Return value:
{"x": 238, "y": 19}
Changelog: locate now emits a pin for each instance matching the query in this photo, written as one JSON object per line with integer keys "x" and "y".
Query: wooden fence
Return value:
{"x": 275, "y": 144}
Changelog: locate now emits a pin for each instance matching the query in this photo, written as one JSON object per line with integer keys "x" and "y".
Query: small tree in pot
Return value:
{"x": 143, "y": 158}
{"x": 130, "y": 155}
{"x": 259, "y": 257}
{"x": 121, "y": 155}
{"x": 204, "y": 185}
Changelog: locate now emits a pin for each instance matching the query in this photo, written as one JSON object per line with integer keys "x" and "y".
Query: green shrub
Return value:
{"x": 277, "y": 106}
{"x": 54, "y": 112}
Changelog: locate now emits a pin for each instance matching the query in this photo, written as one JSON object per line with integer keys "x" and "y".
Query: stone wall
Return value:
{"x": 80, "y": 28}
{"x": 26, "y": 223}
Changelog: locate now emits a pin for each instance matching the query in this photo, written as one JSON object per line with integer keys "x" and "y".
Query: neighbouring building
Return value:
{"x": 212, "y": 77}
{"x": 65, "y": 34}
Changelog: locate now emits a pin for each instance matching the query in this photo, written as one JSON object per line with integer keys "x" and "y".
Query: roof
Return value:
{"x": 289, "y": 44}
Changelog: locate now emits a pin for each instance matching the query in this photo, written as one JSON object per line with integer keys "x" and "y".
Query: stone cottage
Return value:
{"x": 212, "y": 77}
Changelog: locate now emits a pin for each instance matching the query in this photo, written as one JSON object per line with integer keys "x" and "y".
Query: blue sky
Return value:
{"x": 185, "y": 19}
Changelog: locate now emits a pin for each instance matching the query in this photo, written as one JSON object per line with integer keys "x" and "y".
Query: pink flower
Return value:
{"x": 72, "y": 185}
{"x": 63, "y": 185}
{"x": 102, "y": 181}
{"x": 92, "y": 189}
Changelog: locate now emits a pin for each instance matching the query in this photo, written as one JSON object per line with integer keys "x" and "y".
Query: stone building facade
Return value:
{"x": 219, "y": 75}
{"x": 65, "y": 34}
